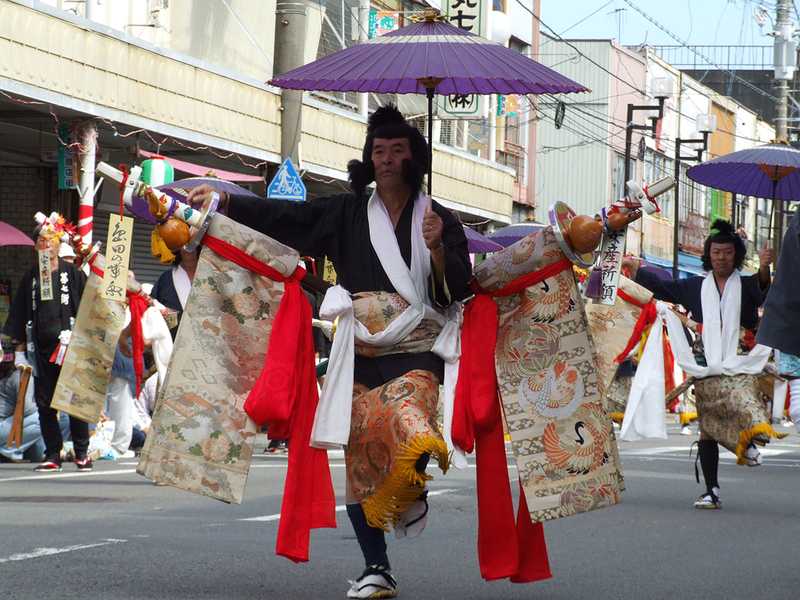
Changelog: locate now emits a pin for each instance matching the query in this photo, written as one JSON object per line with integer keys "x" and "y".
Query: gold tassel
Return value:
{"x": 688, "y": 417}
{"x": 617, "y": 416}
{"x": 404, "y": 483}
{"x": 158, "y": 248}
{"x": 746, "y": 436}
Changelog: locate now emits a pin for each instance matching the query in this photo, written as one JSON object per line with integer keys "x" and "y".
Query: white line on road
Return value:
{"x": 39, "y": 552}
{"x": 64, "y": 475}
{"x": 339, "y": 508}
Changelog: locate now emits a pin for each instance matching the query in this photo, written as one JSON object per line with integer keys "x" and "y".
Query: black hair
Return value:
{"x": 389, "y": 123}
{"x": 722, "y": 232}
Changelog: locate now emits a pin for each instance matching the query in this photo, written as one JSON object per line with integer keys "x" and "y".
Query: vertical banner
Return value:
{"x": 45, "y": 279}
{"x": 118, "y": 244}
{"x": 609, "y": 263}
{"x": 472, "y": 16}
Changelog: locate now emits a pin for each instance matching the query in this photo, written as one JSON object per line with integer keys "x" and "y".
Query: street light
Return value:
{"x": 661, "y": 88}
{"x": 706, "y": 125}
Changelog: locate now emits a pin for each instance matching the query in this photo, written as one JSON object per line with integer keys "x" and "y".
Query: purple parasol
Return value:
{"x": 477, "y": 243}
{"x": 405, "y": 61}
{"x": 771, "y": 171}
{"x": 428, "y": 57}
{"x": 511, "y": 234}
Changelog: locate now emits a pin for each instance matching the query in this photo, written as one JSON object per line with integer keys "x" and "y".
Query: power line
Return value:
{"x": 697, "y": 52}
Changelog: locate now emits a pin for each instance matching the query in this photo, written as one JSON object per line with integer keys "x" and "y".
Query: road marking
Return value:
{"x": 40, "y": 552}
{"x": 339, "y": 507}
{"x": 772, "y": 462}
{"x": 633, "y": 473}
{"x": 65, "y": 475}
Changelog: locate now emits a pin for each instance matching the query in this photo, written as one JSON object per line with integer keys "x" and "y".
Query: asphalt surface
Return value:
{"x": 112, "y": 534}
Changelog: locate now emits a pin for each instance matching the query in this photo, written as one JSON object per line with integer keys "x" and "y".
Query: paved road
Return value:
{"x": 111, "y": 534}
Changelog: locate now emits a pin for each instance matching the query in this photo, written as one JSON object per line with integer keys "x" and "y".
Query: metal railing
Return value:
{"x": 727, "y": 56}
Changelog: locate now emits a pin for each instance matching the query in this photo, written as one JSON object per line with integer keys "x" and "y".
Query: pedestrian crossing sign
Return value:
{"x": 287, "y": 184}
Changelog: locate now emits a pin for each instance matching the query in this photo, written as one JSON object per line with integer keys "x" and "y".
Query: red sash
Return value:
{"x": 285, "y": 398}
{"x": 505, "y": 548}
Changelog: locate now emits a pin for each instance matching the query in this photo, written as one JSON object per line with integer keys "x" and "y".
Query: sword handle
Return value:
{"x": 135, "y": 187}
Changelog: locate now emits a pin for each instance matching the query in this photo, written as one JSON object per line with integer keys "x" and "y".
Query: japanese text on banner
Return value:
{"x": 118, "y": 252}
{"x": 45, "y": 279}
{"x": 609, "y": 263}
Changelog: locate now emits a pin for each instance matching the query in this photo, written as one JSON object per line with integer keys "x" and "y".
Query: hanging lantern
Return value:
{"x": 157, "y": 171}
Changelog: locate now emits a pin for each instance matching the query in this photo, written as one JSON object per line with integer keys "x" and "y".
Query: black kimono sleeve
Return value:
{"x": 676, "y": 292}
{"x": 310, "y": 227}
{"x": 457, "y": 268}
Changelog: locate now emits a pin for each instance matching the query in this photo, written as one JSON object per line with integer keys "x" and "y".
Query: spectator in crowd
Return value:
{"x": 32, "y": 447}
{"x": 173, "y": 286}
{"x": 40, "y": 324}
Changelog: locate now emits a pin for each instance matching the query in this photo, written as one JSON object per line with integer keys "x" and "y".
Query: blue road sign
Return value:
{"x": 287, "y": 184}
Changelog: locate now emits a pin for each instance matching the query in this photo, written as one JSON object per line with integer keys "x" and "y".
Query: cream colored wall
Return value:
{"x": 57, "y": 55}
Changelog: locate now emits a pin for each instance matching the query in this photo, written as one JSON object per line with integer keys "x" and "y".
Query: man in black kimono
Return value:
{"x": 723, "y": 255}
{"x": 395, "y": 387}
{"x": 40, "y": 321}
{"x": 780, "y": 326}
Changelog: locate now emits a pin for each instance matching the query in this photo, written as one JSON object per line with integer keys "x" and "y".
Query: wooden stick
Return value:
{"x": 15, "y": 435}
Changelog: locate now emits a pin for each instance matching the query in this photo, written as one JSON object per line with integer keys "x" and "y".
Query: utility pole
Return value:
{"x": 290, "y": 38}
{"x": 87, "y": 138}
{"x": 785, "y": 60}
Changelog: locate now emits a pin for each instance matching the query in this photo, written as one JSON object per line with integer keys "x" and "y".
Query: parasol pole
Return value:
{"x": 430, "y": 83}
{"x": 430, "y": 92}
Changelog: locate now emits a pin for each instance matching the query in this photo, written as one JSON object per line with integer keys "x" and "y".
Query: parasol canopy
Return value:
{"x": 770, "y": 171}
{"x": 11, "y": 236}
{"x": 478, "y": 243}
{"x": 428, "y": 57}
{"x": 511, "y": 234}
{"x": 424, "y": 55}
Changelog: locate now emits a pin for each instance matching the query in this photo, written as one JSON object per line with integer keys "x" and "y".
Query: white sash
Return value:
{"x": 644, "y": 412}
{"x": 332, "y": 420}
{"x": 182, "y": 283}
{"x": 721, "y": 322}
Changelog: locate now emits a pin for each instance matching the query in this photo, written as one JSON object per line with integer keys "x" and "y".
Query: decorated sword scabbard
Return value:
{"x": 175, "y": 218}
{"x": 599, "y": 242}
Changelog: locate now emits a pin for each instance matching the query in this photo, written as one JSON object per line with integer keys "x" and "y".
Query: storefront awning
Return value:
{"x": 202, "y": 171}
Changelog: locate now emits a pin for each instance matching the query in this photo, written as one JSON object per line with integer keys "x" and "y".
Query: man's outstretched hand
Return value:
{"x": 200, "y": 197}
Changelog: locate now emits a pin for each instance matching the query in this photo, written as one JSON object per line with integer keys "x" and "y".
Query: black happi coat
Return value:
{"x": 337, "y": 227}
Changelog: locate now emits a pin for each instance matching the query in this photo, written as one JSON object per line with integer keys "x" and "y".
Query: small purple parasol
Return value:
{"x": 511, "y": 234}
{"x": 428, "y": 57}
{"x": 477, "y": 243}
{"x": 180, "y": 189}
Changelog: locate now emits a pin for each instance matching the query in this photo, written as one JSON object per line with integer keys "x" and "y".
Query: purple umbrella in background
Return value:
{"x": 11, "y": 236}
{"x": 180, "y": 189}
{"x": 511, "y": 234}
{"x": 771, "y": 171}
{"x": 478, "y": 244}
{"x": 428, "y": 57}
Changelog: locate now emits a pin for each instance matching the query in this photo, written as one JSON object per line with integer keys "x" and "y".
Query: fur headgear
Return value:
{"x": 388, "y": 123}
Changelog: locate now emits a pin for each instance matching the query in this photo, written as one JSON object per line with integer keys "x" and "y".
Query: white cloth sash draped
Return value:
{"x": 332, "y": 420}
{"x": 644, "y": 412}
{"x": 721, "y": 323}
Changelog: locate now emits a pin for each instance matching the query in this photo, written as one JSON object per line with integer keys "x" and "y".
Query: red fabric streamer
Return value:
{"x": 285, "y": 398}
{"x": 669, "y": 364}
{"x": 646, "y": 318}
{"x": 137, "y": 303}
{"x": 505, "y": 548}
{"x": 124, "y": 169}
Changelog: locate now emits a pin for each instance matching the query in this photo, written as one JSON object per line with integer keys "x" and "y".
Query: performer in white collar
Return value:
{"x": 401, "y": 261}
{"x": 725, "y": 305}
